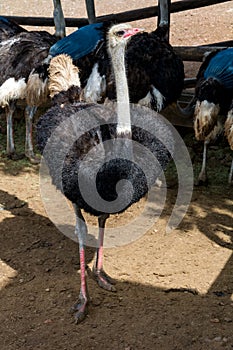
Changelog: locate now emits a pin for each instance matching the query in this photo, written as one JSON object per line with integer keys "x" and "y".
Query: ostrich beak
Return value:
{"x": 132, "y": 31}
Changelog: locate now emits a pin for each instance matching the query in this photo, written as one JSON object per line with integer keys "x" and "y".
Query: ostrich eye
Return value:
{"x": 120, "y": 33}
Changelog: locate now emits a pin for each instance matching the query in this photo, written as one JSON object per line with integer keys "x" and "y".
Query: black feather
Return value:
{"x": 112, "y": 170}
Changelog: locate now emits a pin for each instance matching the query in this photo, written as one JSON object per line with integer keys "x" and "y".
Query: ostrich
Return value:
{"x": 19, "y": 54}
{"x": 120, "y": 162}
{"x": 155, "y": 72}
{"x": 212, "y": 99}
{"x": 229, "y": 135}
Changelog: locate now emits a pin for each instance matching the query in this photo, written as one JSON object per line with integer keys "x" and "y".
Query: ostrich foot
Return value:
{"x": 32, "y": 158}
{"x": 202, "y": 180}
{"x": 80, "y": 309}
{"x": 103, "y": 279}
{"x": 230, "y": 176}
{"x": 15, "y": 156}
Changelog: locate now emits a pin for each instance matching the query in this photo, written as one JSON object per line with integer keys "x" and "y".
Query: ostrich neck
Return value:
{"x": 122, "y": 92}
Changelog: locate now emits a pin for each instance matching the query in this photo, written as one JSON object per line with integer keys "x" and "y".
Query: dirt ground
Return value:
{"x": 174, "y": 290}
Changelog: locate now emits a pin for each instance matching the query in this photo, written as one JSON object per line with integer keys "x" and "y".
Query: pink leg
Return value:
{"x": 103, "y": 280}
{"x": 202, "y": 178}
{"x": 80, "y": 308}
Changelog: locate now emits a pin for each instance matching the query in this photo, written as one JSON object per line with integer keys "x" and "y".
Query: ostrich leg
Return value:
{"x": 29, "y": 153}
{"x": 103, "y": 280}
{"x": 80, "y": 308}
{"x": 202, "y": 178}
{"x": 10, "y": 147}
{"x": 230, "y": 174}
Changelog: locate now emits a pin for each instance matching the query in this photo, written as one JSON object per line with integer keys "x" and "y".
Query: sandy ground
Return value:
{"x": 174, "y": 291}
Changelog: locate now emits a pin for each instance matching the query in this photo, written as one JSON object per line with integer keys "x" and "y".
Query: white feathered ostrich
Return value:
{"x": 229, "y": 135}
{"x": 212, "y": 99}
{"x": 20, "y": 52}
{"x": 59, "y": 125}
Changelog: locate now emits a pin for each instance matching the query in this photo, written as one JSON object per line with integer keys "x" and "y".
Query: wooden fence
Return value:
{"x": 187, "y": 53}
{"x": 127, "y": 16}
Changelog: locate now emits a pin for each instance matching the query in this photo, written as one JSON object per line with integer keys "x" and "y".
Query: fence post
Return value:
{"x": 90, "y": 6}
{"x": 164, "y": 15}
{"x": 59, "y": 20}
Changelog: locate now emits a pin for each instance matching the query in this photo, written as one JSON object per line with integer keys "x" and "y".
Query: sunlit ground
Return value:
{"x": 6, "y": 274}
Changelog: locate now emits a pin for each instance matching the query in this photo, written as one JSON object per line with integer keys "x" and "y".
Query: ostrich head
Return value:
{"x": 119, "y": 34}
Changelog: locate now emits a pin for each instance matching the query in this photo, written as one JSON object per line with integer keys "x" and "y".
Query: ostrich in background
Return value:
{"x": 19, "y": 54}
{"x": 124, "y": 166}
{"x": 212, "y": 99}
{"x": 155, "y": 72}
{"x": 229, "y": 135}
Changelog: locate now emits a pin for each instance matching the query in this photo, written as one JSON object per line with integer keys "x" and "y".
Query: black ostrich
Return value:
{"x": 212, "y": 100}
{"x": 58, "y": 127}
{"x": 19, "y": 54}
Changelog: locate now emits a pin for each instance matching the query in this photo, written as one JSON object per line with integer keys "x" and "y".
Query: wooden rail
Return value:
{"x": 127, "y": 16}
{"x": 195, "y": 53}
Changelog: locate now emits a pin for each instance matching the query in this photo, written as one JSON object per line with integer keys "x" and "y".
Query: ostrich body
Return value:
{"x": 19, "y": 54}
{"x": 114, "y": 169}
{"x": 213, "y": 95}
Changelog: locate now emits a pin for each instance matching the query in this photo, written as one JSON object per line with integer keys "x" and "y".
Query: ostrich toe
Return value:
{"x": 103, "y": 279}
{"x": 80, "y": 309}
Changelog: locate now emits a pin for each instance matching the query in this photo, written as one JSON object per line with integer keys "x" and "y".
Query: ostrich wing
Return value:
{"x": 221, "y": 68}
{"x": 79, "y": 43}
